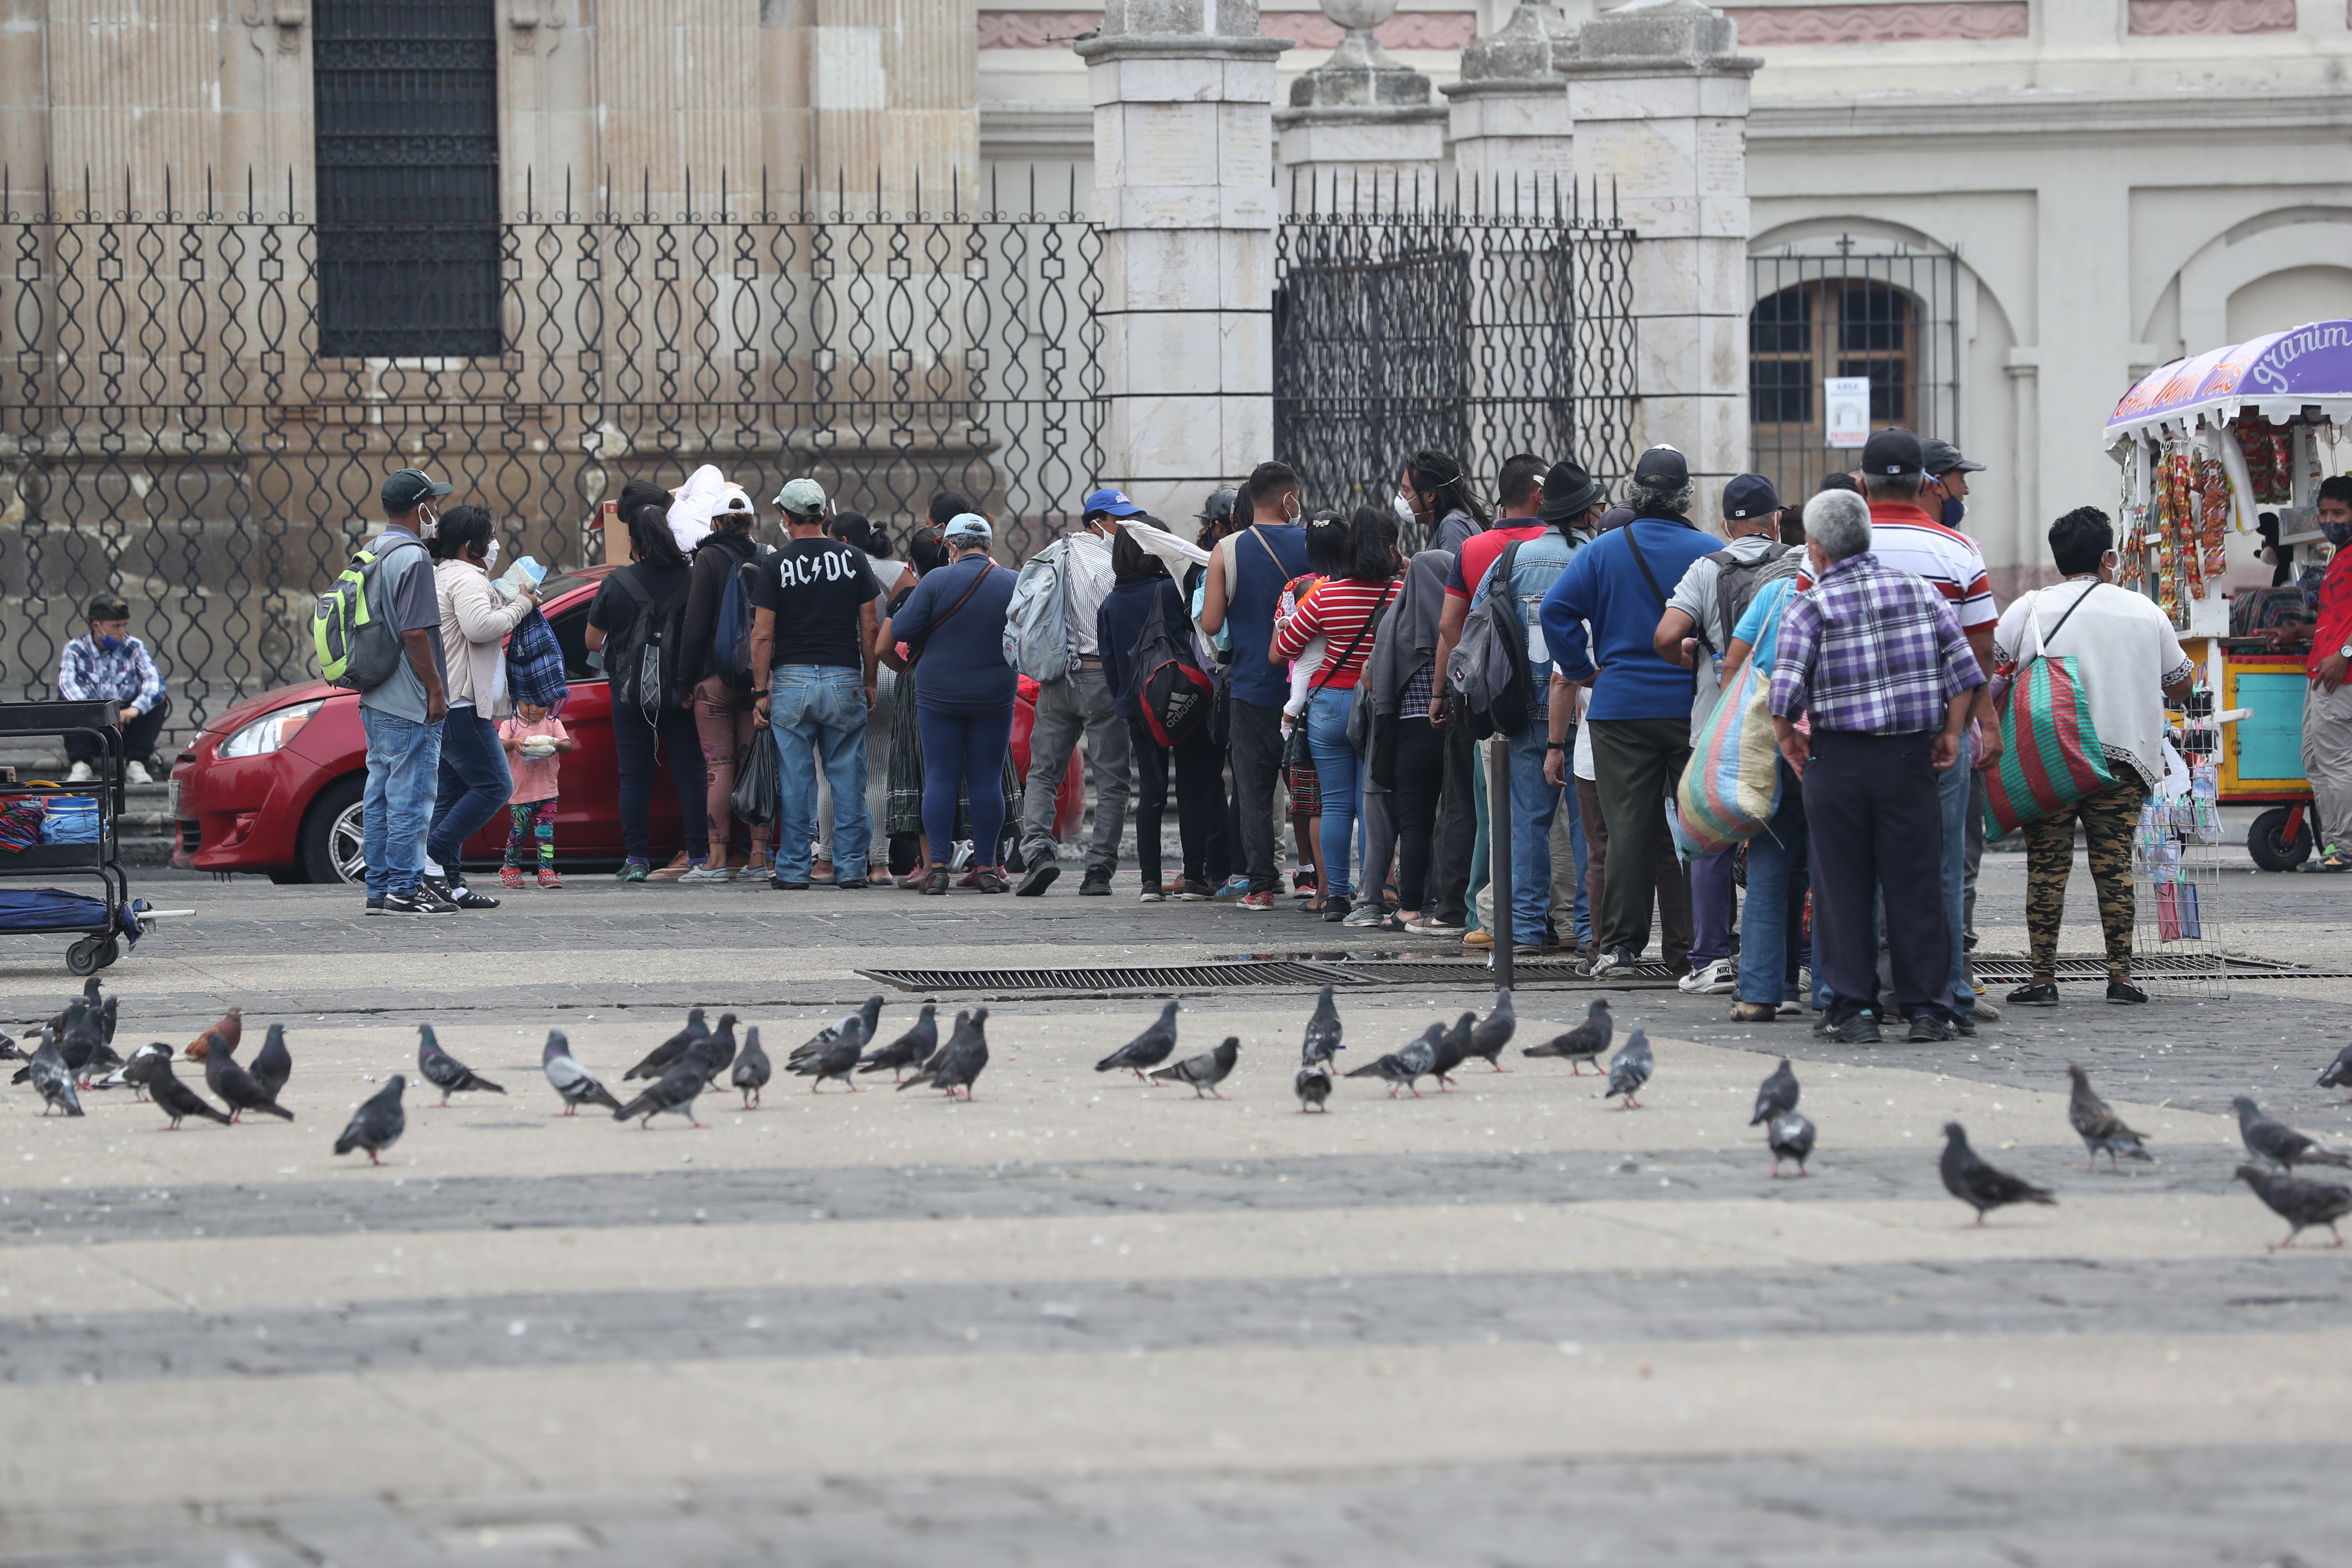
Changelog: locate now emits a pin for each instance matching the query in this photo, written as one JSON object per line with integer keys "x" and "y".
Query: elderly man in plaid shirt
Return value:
{"x": 111, "y": 664}
{"x": 1876, "y": 661}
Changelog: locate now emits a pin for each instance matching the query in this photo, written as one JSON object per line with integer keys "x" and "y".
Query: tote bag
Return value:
{"x": 2050, "y": 751}
{"x": 1731, "y": 785}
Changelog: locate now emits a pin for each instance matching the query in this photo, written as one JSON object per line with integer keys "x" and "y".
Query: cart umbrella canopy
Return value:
{"x": 2277, "y": 375}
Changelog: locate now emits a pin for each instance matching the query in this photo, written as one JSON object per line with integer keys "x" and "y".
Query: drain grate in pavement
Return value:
{"x": 2006, "y": 968}
{"x": 1117, "y": 977}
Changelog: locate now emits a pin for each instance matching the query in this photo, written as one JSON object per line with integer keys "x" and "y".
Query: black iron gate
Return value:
{"x": 1482, "y": 333}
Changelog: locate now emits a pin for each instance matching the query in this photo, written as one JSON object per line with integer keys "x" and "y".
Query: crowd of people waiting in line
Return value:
{"x": 1334, "y": 697}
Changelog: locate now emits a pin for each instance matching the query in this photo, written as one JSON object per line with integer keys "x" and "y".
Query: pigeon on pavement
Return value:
{"x": 837, "y": 1057}
{"x": 89, "y": 990}
{"x": 443, "y": 1071}
{"x": 911, "y": 1049}
{"x": 958, "y": 1063}
{"x": 1790, "y": 1137}
{"x": 1584, "y": 1043}
{"x": 1452, "y": 1050}
{"x": 751, "y": 1069}
{"x": 231, "y": 1029}
{"x": 1322, "y": 1031}
{"x": 1204, "y": 1071}
{"x": 145, "y": 1063}
{"x": 273, "y": 1064}
{"x": 1981, "y": 1186}
{"x": 234, "y": 1087}
{"x": 2278, "y": 1143}
{"x": 176, "y": 1099}
{"x": 1147, "y": 1049}
{"x": 1778, "y": 1093}
{"x": 657, "y": 1060}
{"x": 53, "y": 1080}
{"x": 869, "y": 1017}
{"x": 674, "y": 1091}
{"x": 1629, "y": 1068}
{"x": 2339, "y": 1072}
{"x": 1312, "y": 1084}
{"x": 2100, "y": 1128}
{"x": 83, "y": 1039}
{"x": 719, "y": 1050}
{"x": 2299, "y": 1201}
{"x": 378, "y": 1123}
{"x": 1401, "y": 1069}
{"x": 572, "y": 1082}
{"x": 8, "y": 1050}
{"x": 1495, "y": 1031}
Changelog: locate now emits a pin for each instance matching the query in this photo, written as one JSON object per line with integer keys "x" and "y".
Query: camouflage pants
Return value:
{"x": 2108, "y": 819}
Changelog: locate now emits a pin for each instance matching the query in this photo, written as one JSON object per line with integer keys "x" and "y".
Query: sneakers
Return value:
{"x": 1198, "y": 892}
{"x": 2338, "y": 858}
{"x": 376, "y": 906}
{"x": 1301, "y": 883}
{"x": 633, "y": 871}
{"x": 1037, "y": 878}
{"x": 549, "y": 879}
{"x": 1235, "y": 887}
{"x": 423, "y": 901}
{"x": 136, "y": 772}
{"x": 1861, "y": 1029}
{"x": 1791, "y": 1008}
{"x": 1430, "y": 925}
{"x": 1369, "y": 914}
{"x": 80, "y": 774}
{"x": 1258, "y": 903}
{"x": 1096, "y": 886}
{"x": 1964, "y": 1025}
{"x": 703, "y": 874}
{"x": 2125, "y": 992}
{"x": 1929, "y": 1025}
{"x": 1335, "y": 908}
{"x": 1152, "y": 895}
{"x": 2040, "y": 993}
{"x": 510, "y": 877}
{"x": 457, "y": 895}
{"x": 1614, "y": 961}
{"x": 1755, "y": 1012}
{"x": 1715, "y": 979}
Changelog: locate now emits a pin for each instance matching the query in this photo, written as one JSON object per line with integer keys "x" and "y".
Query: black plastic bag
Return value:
{"x": 759, "y": 792}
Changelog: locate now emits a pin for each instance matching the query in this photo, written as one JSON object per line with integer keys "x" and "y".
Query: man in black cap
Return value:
{"x": 1696, "y": 633}
{"x": 109, "y": 665}
{"x": 403, "y": 715}
{"x": 1947, "y": 493}
{"x": 1640, "y": 716}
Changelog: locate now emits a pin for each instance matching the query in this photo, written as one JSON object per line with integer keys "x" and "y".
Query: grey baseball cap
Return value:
{"x": 1940, "y": 457}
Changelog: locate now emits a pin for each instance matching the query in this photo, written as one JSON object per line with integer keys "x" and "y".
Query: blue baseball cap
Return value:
{"x": 968, "y": 525}
{"x": 1748, "y": 495}
{"x": 1114, "y": 503}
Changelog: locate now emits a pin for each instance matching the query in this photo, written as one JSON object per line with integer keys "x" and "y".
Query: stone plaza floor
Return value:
{"x": 1082, "y": 1320}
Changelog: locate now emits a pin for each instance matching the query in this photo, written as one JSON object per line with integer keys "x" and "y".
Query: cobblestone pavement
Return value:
{"x": 1082, "y": 1320}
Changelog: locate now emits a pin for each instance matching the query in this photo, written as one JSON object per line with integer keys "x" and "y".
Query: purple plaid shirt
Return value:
{"x": 1871, "y": 650}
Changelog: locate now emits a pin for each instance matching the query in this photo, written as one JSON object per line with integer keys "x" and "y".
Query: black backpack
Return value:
{"x": 1489, "y": 669}
{"x": 1171, "y": 689}
{"x": 642, "y": 662}
{"x": 1737, "y": 583}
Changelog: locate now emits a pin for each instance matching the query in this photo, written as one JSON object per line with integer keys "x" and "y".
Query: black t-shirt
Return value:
{"x": 815, "y": 586}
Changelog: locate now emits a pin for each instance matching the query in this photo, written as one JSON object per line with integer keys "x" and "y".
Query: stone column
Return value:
{"x": 1184, "y": 191}
{"x": 1509, "y": 114}
{"x": 1359, "y": 127}
{"x": 1659, "y": 96}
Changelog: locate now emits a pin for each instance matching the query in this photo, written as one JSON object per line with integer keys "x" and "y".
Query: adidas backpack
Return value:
{"x": 1171, "y": 689}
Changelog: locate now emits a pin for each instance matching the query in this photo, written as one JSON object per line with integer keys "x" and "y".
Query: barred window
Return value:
{"x": 407, "y": 125}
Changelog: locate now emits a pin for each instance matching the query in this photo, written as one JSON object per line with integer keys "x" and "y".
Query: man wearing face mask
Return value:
{"x": 403, "y": 715}
{"x": 109, "y": 665}
{"x": 1946, "y": 493}
{"x": 2326, "y": 701}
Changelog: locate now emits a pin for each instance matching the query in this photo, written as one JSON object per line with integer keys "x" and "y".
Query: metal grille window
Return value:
{"x": 407, "y": 117}
{"x": 1888, "y": 315}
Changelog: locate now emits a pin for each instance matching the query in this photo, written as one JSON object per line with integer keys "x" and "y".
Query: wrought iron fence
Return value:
{"x": 1848, "y": 308}
{"x": 173, "y": 430}
{"x": 1482, "y": 325}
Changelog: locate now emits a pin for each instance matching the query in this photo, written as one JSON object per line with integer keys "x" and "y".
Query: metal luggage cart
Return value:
{"x": 101, "y": 936}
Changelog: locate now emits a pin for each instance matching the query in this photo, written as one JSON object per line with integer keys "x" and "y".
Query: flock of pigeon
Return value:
{"x": 78, "y": 1046}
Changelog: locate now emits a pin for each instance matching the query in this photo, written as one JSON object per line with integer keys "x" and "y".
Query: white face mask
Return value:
{"x": 490, "y": 560}
{"x": 1403, "y": 508}
{"x": 429, "y": 522}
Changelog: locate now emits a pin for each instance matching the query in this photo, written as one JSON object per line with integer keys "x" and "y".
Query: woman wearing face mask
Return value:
{"x": 1434, "y": 492}
{"x": 475, "y": 621}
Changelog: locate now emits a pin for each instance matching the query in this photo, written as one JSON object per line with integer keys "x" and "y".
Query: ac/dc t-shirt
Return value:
{"x": 815, "y": 588}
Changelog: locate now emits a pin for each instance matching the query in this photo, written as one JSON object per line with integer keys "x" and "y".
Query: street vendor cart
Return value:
{"x": 2205, "y": 444}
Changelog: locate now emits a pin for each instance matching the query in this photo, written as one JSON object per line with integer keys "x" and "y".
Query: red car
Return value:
{"x": 273, "y": 784}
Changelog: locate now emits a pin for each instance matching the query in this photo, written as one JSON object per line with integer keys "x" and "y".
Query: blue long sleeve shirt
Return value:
{"x": 1604, "y": 587}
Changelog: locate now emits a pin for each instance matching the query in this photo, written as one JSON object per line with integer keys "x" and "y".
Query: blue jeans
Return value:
{"x": 1534, "y": 803}
{"x": 1953, "y": 792}
{"x": 1776, "y": 866}
{"x": 403, "y": 761}
{"x": 817, "y": 713}
{"x": 474, "y": 784}
{"x": 1338, "y": 778}
{"x": 963, "y": 754}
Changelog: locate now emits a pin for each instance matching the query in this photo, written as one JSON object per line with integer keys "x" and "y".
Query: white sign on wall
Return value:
{"x": 1847, "y": 400}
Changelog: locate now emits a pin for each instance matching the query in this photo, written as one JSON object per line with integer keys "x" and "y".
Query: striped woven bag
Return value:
{"x": 1731, "y": 785}
{"x": 2050, "y": 751}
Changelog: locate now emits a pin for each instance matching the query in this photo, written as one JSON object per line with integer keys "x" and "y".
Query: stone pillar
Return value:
{"x": 1359, "y": 127}
{"x": 1509, "y": 114}
{"x": 1184, "y": 191}
{"x": 1659, "y": 96}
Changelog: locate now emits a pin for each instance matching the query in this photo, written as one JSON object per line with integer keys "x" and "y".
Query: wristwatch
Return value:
{"x": 2344, "y": 652}
{"x": 1555, "y": 745}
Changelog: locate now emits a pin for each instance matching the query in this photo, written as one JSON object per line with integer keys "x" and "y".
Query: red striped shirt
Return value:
{"x": 1336, "y": 612}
